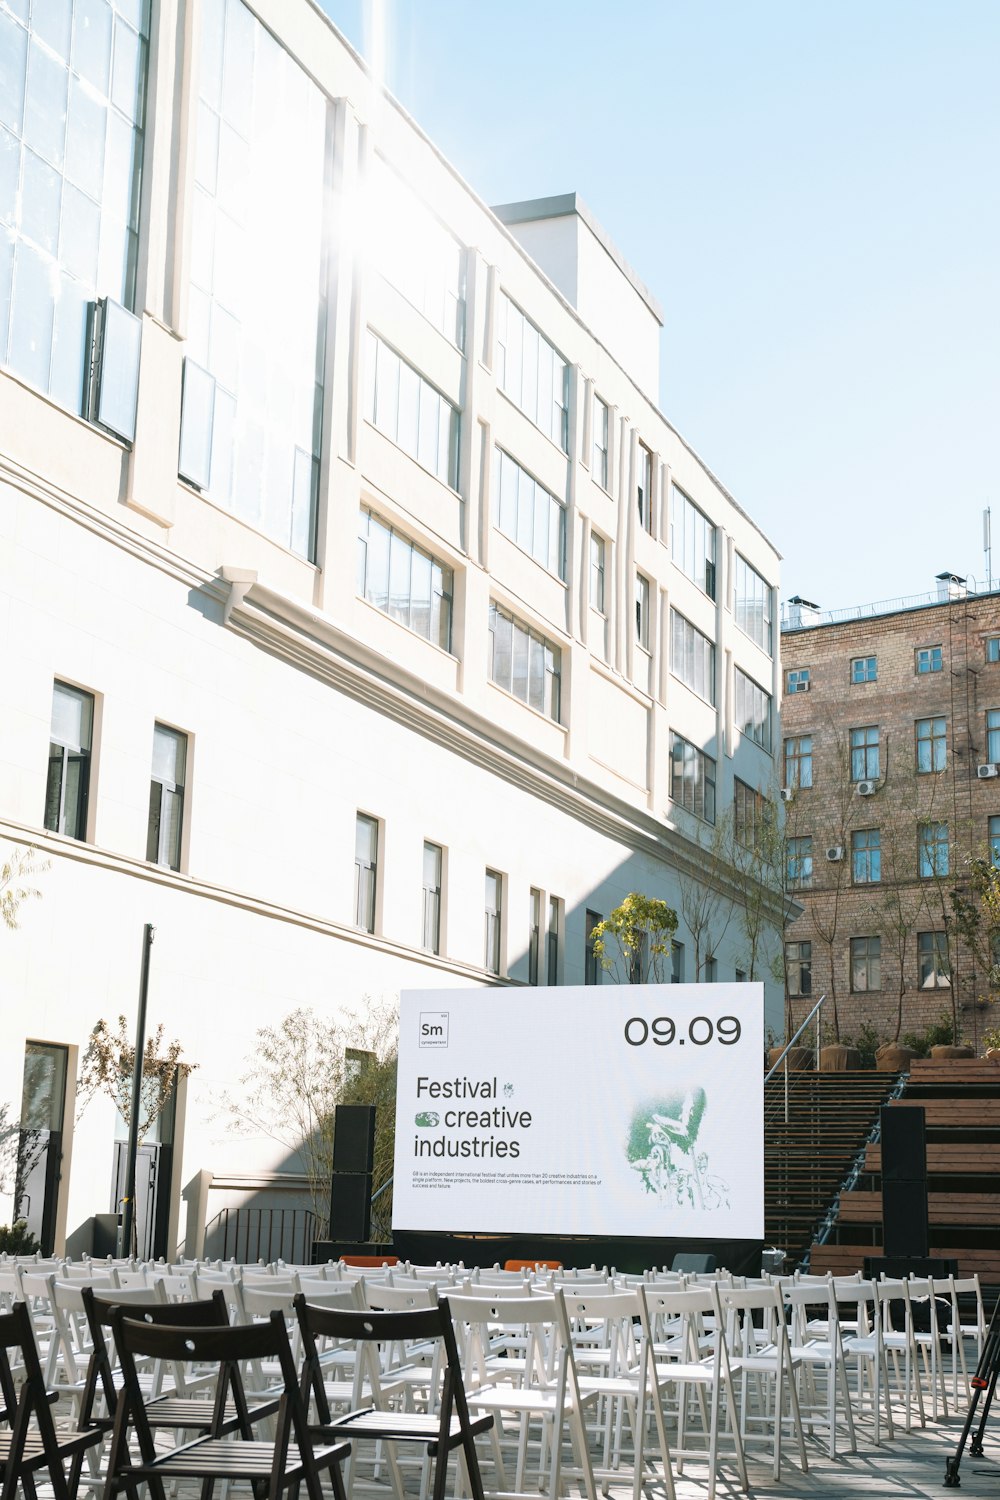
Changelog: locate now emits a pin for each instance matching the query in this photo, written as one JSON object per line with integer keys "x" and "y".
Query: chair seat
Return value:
{"x": 35, "y": 1455}
{"x": 403, "y": 1426}
{"x": 193, "y": 1411}
{"x": 233, "y": 1458}
{"x": 516, "y": 1398}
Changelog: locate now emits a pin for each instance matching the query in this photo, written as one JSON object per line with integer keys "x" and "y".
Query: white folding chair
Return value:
{"x": 761, "y": 1360}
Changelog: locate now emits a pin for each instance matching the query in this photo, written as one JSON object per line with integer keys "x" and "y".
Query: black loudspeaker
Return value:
{"x": 351, "y": 1206}
{"x": 904, "y": 1144}
{"x": 905, "y": 1229}
{"x": 354, "y": 1138}
{"x": 693, "y": 1264}
{"x": 904, "y": 1219}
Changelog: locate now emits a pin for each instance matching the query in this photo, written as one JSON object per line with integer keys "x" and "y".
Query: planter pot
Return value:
{"x": 993, "y": 1054}
{"x": 945, "y": 1051}
{"x": 839, "y": 1059}
{"x": 892, "y": 1058}
{"x": 798, "y": 1059}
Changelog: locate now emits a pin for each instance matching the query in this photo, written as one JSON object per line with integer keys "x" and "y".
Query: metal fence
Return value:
{"x": 268, "y": 1234}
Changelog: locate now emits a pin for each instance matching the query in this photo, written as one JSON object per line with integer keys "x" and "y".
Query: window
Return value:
{"x": 532, "y": 373}
{"x": 592, "y": 967}
{"x": 864, "y": 753}
{"x": 866, "y": 856}
{"x": 404, "y": 581}
{"x": 692, "y": 541}
{"x": 928, "y": 659}
{"x": 753, "y": 710}
{"x": 524, "y": 663}
{"x": 993, "y": 735}
{"x": 993, "y": 834}
{"x": 431, "y": 917}
{"x": 494, "y": 915}
{"x": 414, "y": 251}
{"x": 799, "y": 761}
{"x": 740, "y": 975}
{"x": 70, "y": 160}
{"x": 601, "y": 440}
{"x": 166, "y": 797}
{"x": 676, "y": 962}
{"x": 797, "y": 681}
{"x": 933, "y": 965}
{"x": 751, "y": 809}
{"x": 642, "y": 611}
{"x": 692, "y": 657}
{"x": 710, "y": 970}
{"x": 800, "y": 862}
{"x": 798, "y": 968}
{"x": 356, "y": 1061}
{"x": 752, "y": 603}
{"x": 552, "y": 941}
{"x": 993, "y": 648}
{"x": 527, "y": 513}
{"x": 932, "y": 849}
{"x": 644, "y": 488}
{"x": 365, "y": 871}
{"x": 932, "y": 744}
{"x": 534, "y": 934}
{"x": 411, "y": 411}
{"x": 67, "y": 784}
{"x": 597, "y": 552}
{"x": 692, "y": 778}
{"x": 864, "y": 669}
{"x": 866, "y": 963}
{"x": 256, "y": 302}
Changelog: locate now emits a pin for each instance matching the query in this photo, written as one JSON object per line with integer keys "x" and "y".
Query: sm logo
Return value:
{"x": 433, "y": 1028}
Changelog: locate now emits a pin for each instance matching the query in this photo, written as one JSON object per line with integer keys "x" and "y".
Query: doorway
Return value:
{"x": 40, "y": 1140}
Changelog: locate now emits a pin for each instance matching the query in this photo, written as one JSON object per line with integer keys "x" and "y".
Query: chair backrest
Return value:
{"x": 401, "y": 1298}
{"x": 24, "y": 1398}
{"x": 146, "y": 1304}
{"x": 515, "y": 1290}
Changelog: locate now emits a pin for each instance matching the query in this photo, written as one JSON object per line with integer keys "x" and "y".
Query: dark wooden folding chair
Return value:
{"x": 291, "y": 1459}
{"x": 448, "y": 1428}
{"x": 183, "y": 1411}
{"x": 31, "y": 1443}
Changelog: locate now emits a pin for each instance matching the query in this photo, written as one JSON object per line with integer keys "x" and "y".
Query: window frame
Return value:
{"x": 644, "y": 487}
{"x": 431, "y": 898}
{"x": 752, "y": 605}
{"x": 688, "y": 523}
{"x": 991, "y": 648}
{"x": 749, "y": 695}
{"x": 643, "y": 596}
{"x": 551, "y": 663}
{"x": 680, "y": 625}
{"x": 593, "y": 969}
{"x": 861, "y": 752}
{"x": 366, "y": 874}
{"x": 374, "y": 345}
{"x": 553, "y": 934}
{"x": 798, "y": 967}
{"x": 933, "y": 851}
{"x": 694, "y": 787}
{"x": 598, "y": 572}
{"x": 493, "y": 955}
{"x": 600, "y": 466}
{"x": 936, "y": 742}
{"x": 865, "y": 963}
{"x": 506, "y": 345}
{"x": 928, "y": 659}
{"x": 157, "y": 786}
{"x": 865, "y": 675}
{"x": 795, "y": 761}
{"x": 799, "y": 862}
{"x": 992, "y": 724}
{"x": 441, "y": 605}
{"x": 71, "y": 754}
{"x": 933, "y": 961}
{"x": 553, "y": 556}
{"x": 797, "y": 680}
{"x": 866, "y": 857}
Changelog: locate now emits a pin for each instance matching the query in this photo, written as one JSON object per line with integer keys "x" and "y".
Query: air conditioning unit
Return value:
{"x": 835, "y": 853}
{"x": 786, "y": 794}
{"x": 985, "y": 772}
{"x": 867, "y": 788}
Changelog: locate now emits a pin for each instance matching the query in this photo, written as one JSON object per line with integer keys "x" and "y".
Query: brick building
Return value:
{"x": 891, "y": 747}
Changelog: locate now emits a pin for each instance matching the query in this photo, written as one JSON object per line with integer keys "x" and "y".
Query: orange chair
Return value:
{"x": 532, "y": 1265}
{"x": 369, "y": 1262}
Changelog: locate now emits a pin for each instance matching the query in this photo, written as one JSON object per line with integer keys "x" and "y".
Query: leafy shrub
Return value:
{"x": 17, "y": 1239}
{"x": 940, "y": 1033}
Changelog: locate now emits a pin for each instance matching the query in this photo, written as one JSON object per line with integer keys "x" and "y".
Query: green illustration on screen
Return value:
{"x": 662, "y": 1147}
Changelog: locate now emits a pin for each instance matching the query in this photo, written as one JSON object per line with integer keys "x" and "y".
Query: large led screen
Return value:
{"x": 598, "y": 1110}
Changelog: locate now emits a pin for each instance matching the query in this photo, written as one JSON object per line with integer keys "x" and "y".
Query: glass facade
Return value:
{"x": 692, "y": 541}
{"x": 752, "y": 604}
{"x": 532, "y": 373}
{"x": 528, "y": 513}
{"x": 256, "y": 304}
{"x": 753, "y": 710}
{"x": 411, "y": 411}
{"x": 402, "y": 579}
{"x": 415, "y": 253}
{"x": 692, "y": 657}
{"x": 72, "y": 97}
{"x": 524, "y": 663}
{"x": 692, "y": 778}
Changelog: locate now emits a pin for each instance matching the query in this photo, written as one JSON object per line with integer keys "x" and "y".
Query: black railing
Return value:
{"x": 268, "y": 1234}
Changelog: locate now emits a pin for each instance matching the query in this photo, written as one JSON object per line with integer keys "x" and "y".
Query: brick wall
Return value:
{"x": 838, "y": 904}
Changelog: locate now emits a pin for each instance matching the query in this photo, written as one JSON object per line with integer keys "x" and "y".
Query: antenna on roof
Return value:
{"x": 987, "y": 548}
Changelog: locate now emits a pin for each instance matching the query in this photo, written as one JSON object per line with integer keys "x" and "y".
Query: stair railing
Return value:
{"x": 788, "y": 1046}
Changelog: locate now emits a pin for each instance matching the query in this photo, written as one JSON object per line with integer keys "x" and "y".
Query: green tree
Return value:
{"x": 108, "y": 1067}
{"x": 15, "y": 885}
{"x": 635, "y": 941}
{"x": 976, "y": 908}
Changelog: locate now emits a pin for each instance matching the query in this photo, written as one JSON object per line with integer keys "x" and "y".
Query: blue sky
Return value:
{"x": 811, "y": 189}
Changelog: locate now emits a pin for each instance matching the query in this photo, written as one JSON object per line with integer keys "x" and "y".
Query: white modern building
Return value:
{"x": 366, "y": 625}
